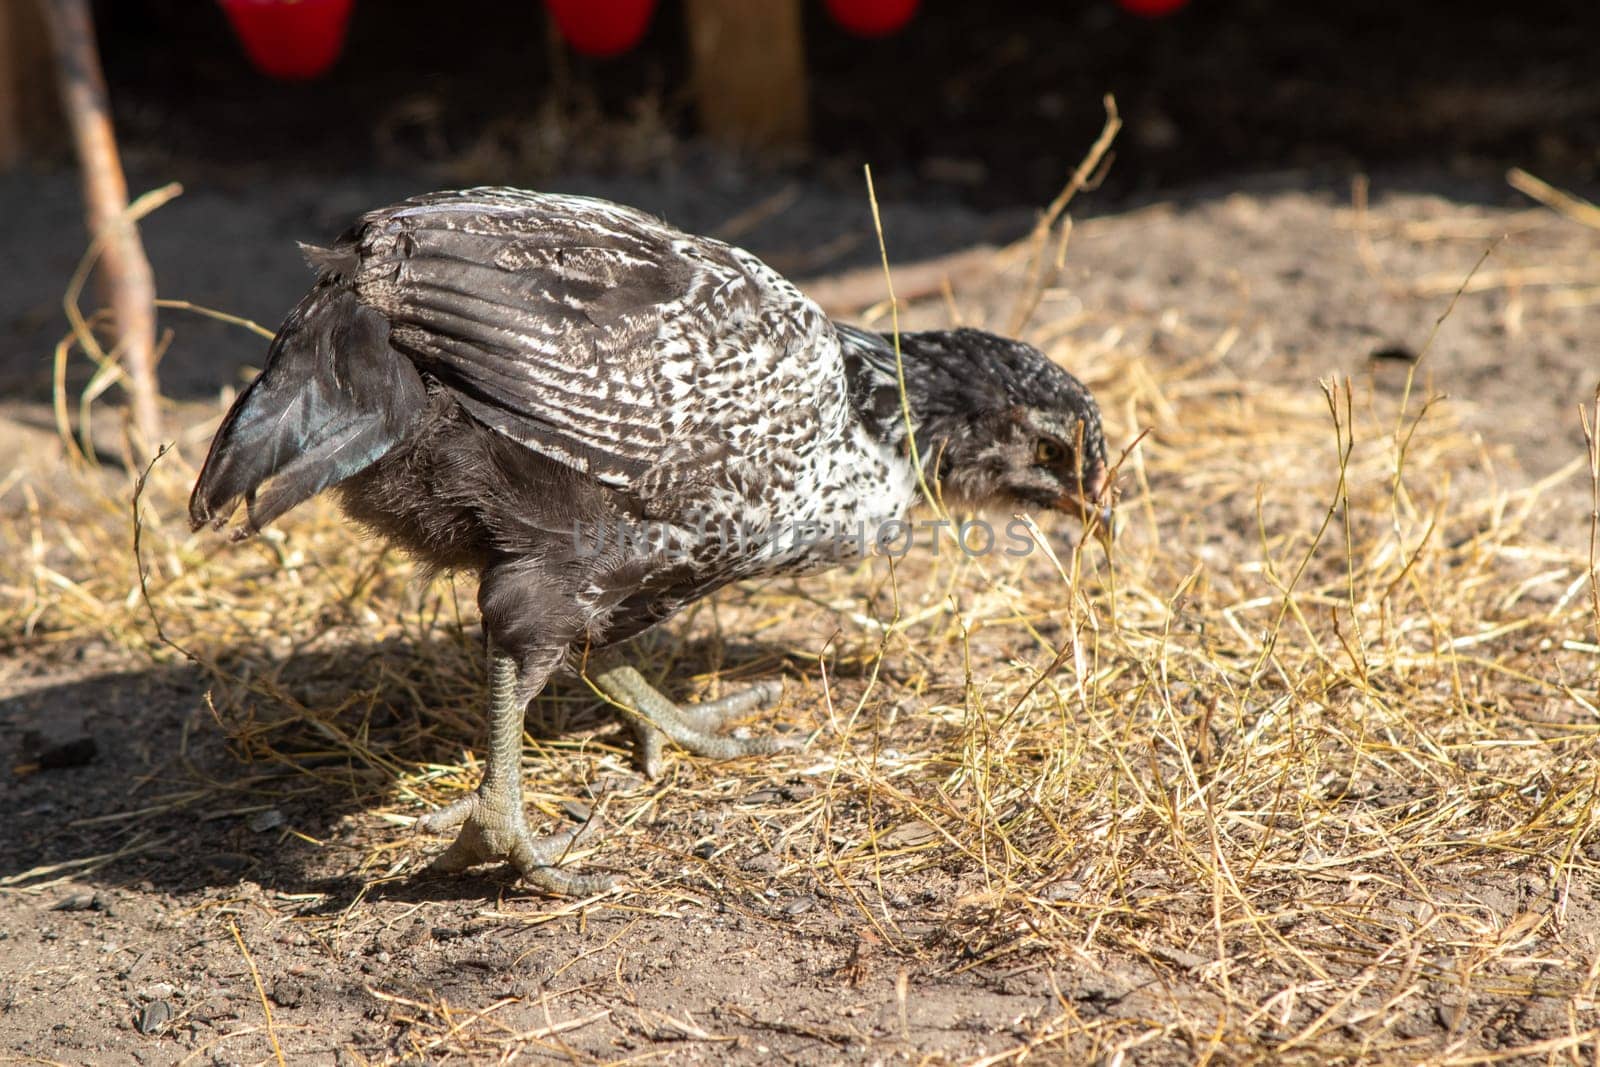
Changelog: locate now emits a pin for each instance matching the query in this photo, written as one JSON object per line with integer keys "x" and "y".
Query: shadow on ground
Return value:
{"x": 177, "y": 781}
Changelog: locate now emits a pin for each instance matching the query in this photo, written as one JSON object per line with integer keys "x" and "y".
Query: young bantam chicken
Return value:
{"x": 608, "y": 419}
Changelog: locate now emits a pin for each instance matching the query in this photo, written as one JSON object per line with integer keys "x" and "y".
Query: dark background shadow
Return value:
{"x": 986, "y": 104}
{"x": 972, "y": 118}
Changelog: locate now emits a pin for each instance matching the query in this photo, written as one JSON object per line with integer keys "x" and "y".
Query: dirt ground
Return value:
{"x": 158, "y": 895}
{"x": 212, "y": 861}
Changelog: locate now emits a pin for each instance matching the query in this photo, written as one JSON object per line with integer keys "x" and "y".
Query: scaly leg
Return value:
{"x": 655, "y": 719}
{"x": 493, "y": 824}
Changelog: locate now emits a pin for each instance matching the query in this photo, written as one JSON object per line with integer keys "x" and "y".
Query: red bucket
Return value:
{"x": 290, "y": 39}
{"x": 872, "y": 18}
{"x": 602, "y": 28}
{"x": 1151, "y": 9}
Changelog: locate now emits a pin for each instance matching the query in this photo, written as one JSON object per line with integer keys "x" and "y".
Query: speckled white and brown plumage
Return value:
{"x": 485, "y": 374}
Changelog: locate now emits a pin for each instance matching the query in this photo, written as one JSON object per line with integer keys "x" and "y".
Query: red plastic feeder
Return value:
{"x": 872, "y": 18}
{"x": 601, "y": 28}
{"x": 1151, "y": 9}
{"x": 290, "y": 39}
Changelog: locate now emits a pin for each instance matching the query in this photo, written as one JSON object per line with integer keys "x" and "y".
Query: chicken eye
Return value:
{"x": 1047, "y": 453}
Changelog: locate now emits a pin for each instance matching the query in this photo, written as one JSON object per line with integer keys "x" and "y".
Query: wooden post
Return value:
{"x": 29, "y": 118}
{"x": 124, "y": 269}
{"x": 749, "y": 70}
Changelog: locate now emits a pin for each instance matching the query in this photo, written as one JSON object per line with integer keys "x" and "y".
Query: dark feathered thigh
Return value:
{"x": 459, "y": 496}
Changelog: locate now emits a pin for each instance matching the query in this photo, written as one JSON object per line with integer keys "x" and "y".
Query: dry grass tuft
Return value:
{"x": 1310, "y": 759}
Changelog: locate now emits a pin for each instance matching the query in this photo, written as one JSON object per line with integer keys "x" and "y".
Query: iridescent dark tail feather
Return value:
{"x": 334, "y": 398}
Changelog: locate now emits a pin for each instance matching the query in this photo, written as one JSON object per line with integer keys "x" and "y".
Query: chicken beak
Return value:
{"x": 1098, "y": 517}
{"x": 1104, "y": 527}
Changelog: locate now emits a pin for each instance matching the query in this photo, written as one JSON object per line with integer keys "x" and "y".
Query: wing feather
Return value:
{"x": 550, "y": 316}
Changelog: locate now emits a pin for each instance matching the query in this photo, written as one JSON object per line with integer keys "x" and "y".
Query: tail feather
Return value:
{"x": 334, "y": 398}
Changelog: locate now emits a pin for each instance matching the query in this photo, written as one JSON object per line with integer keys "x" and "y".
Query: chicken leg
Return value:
{"x": 654, "y": 719}
{"x": 492, "y": 821}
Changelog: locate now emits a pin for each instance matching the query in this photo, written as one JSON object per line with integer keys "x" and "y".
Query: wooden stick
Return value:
{"x": 749, "y": 71}
{"x": 11, "y": 138}
{"x": 125, "y": 272}
{"x": 28, "y": 115}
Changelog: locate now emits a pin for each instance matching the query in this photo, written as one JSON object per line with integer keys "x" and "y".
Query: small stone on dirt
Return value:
{"x": 78, "y": 900}
{"x": 154, "y": 1016}
{"x": 799, "y": 906}
{"x": 262, "y": 821}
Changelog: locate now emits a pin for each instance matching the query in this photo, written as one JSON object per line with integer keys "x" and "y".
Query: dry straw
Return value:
{"x": 1310, "y": 758}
